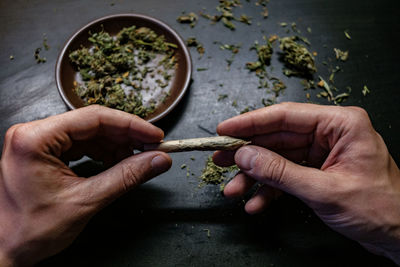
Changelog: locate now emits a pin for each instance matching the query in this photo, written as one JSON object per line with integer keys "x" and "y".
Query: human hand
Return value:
{"x": 350, "y": 181}
{"x": 44, "y": 205}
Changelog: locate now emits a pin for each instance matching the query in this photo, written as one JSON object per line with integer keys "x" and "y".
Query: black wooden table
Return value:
{"x": 170, "y": 221}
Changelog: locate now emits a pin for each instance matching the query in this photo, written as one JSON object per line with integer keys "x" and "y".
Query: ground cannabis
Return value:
{"x": 341, "y": 55}
{"x": 193, "y": 42}
{"x": 230, "y": 47}
{"x": 116, "y": 70}
{"x": 297, "y": 58}
{"x": 213, "y": 174}
{"x": 346, "y": 33}
{"x": 37, "y": 56}
{"x": 225, "y": 14}
{"x": 45, "y": 44}
{"x": 190, "y": 18}
{"x": 365, "y": 91}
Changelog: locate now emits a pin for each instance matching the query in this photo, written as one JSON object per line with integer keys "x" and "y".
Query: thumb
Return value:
{"x": 124, "y": 176}
{"x": 272, "y": 169}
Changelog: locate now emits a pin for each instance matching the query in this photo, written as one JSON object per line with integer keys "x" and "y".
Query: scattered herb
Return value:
{"x": 213, "y": 174}
{"x": 268, "y": 102}
{"x": 294, "y": 27}
{"x": 45, "y": 44}
{"x": 365, "y": 90}
{"x": 342, "y": 55}
{"x": 225, "y": 15}
{"x": 245, "y": 19}
{"x": 265, "y": 12}
{"x": 208, "y": 232}
{"x": 37, "y": 56}
{"x": 193, "y": 42}
{"x": 234, "y": 50}
{"x": 277, "y": 86}
{"x": 190, "y": 18}
{"x": 245, "y": 110}
{"x": 346, "y": 33}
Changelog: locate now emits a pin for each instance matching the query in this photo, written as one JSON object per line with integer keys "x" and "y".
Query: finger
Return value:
{"x": 261, "y": 199}
{"x": 283, "y": 140}
{"x": 133, "y": 171}
{"x": 224, "y": 158}
{"x": 270, "y": 168}
{"x": 58, "y": 132}
{"x": 239, "y": 185}
{"x": 293, "y": 117}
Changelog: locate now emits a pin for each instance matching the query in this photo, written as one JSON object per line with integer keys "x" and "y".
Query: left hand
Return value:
{"x": 44, "y": 205}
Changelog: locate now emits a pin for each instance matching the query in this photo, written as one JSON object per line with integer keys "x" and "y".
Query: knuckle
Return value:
{"x": 275, "y": 169}
{"x": 130, "y": 177}
{"x": 21, "y": 138}
{"x": 358, "y": 116}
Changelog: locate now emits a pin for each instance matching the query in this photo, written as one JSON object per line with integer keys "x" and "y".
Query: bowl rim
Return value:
{"x": 181, "y": 43}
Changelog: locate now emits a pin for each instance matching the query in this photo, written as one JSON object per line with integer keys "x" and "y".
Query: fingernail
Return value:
{"x": 160, "y": 164}
{"x": 246, "y": 158}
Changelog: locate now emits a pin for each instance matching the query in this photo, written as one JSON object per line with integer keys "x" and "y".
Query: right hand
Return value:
{"x": 350, "y": 181}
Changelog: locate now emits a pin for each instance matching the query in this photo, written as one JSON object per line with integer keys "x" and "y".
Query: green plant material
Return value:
{"x": 309, "y": 30}
{"x": 193, "y": 42}
{"x": 114, "y": 69}
{"x": 45, "y": 44}
{"x": 37, "y": 56}
{"x": 296, "y": 57}
{"x": 234, "y": 104}
{"x": 342, "y": 55}
{"x": 227, "y": 23}
{"x": 277, "y": 86}
{"x": 245, "y": 110}
{"x": 264, "y": 54}
{"x": 225, "y": 14}
{"x": 365, "y": 91}
{"x": 190, "y": 18}
{"x": 307, "y": 84}
{"x": 328, "y": 92}
{"x": 346, "y": 33}
{"x": 265, "y": 12}
{"x": 222, "y": 97}
{"x": 234, "y": 50}
{"x": 183, "y": 166}
{"x": 303, "y": 39}
{"x": 269, "y": 101}
{"x": 213, "y": 174}
{"x": 245, "y": 19}
{"x": 294, "y": 27}
{"x": 11, "y": 57}
{"x": 202, "y": 69}
{"x": 341, "y": 98}
{"x": 283, "y": 24}
{"x": 208, "y": 232}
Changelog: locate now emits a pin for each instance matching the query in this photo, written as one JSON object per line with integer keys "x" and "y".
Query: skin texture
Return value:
{"x": 43, "y": 204}
{"x": 347, "y": 175}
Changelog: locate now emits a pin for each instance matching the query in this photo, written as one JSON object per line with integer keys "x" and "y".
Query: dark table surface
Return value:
{"x": 166, "y": 221}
